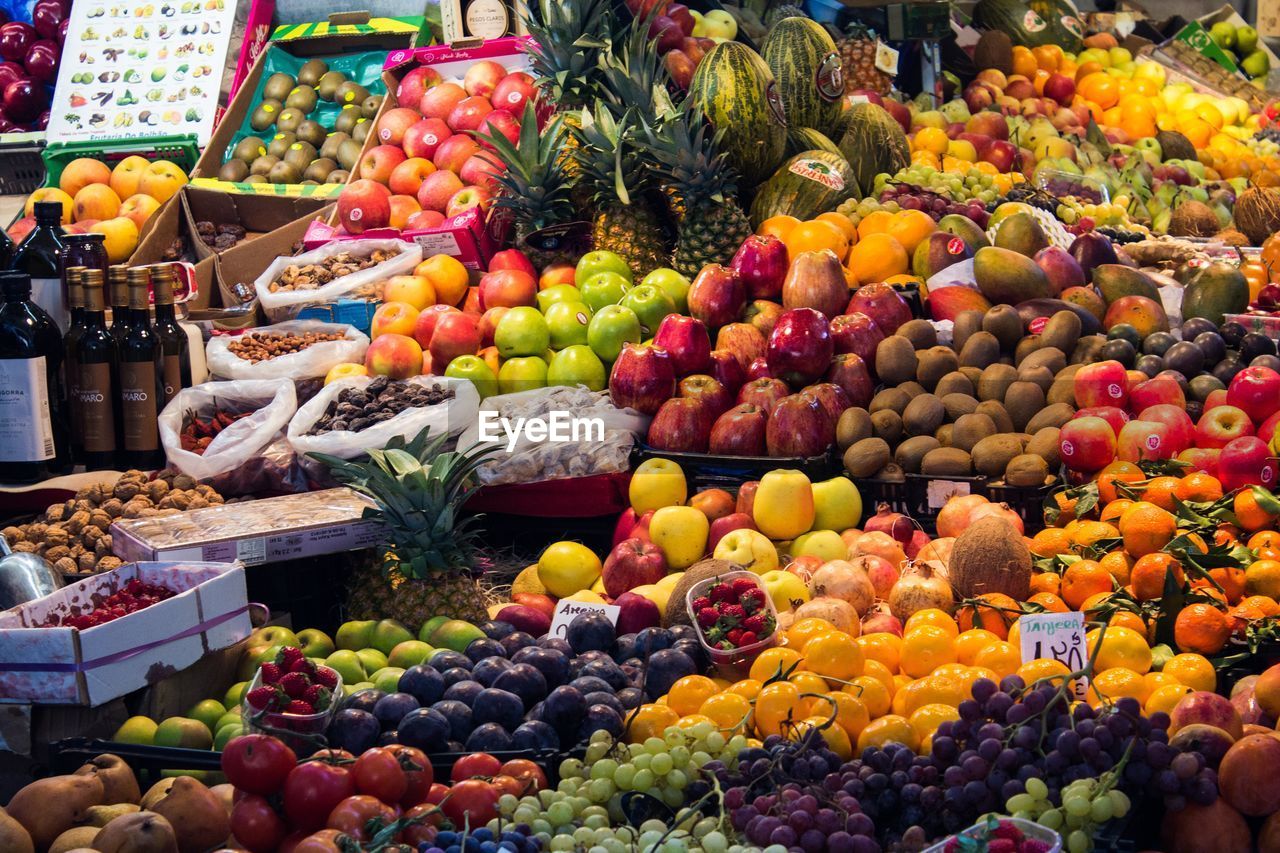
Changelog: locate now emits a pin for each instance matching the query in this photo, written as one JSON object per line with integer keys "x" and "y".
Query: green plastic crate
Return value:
{"x": 179, "y": 149}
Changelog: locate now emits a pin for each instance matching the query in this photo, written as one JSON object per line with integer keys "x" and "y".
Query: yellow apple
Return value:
{"x": 344, "y": 371}
{"x": 962, "y": 149}
{"x": 655, "y": 484}
{"x": 783, "y": 507}
{"x": 669, "y": 582}
{"x": 750, "y": 549}
{"x": 836, "y": 505}
{"x": 598, "y": 586}
{"x": 567, "y": 567}
{"x": 784, "y": 588}
{"x": 825, "y": 544}
{"x": 681, "y": 533}
{"x": 654, "y": 593}
{"x": 586, "y": 595}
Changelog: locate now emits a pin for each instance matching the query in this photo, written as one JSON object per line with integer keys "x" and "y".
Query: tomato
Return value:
{"x": 437, "y": 793}
{"x": 333, "y": 756}
{"x": 477, "y": 764}
{"x": 312, "y": 790}
{"x": 505, "y": 784}
{"x": 471, "y": 803}
{"x": 353, "y": 814}
{"x": 324, "y": 841}
{"x": 526, "y": 771}
{"x": 258, "y": 764}
{"x": 417, "y": 771}
{"x": 430, "y": 817}
{"x": 256, "y": 825}
{"x": 377, "y": 772}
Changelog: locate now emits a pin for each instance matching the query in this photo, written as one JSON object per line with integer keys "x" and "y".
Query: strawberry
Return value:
{"x": 741, "y": 585}
{"x": 1033, "y": 845}
{"x": 261, "y": 698}
{"x": 751, "y": 600}
{"x": 707, "y": 617}
{"x": 270, "y": 673}
{"x": 303, "y": 666}
{"x": 735, "y": 636}
{"x": 326, "y": 677}
{"x": 297, "y": 706}
{"x": 747, "y": 638}
{"x": 1001, "y": 845}
{"x": 1005, "y": 829}
{"x": 294, "y": 684}
{"x": 952, "y": 846}
{"x": 722, "y": 592}
{"x": 317, "y": 696}
{"x": 701, "y": 602}
{"x": 288, "y": 656}
{"x": 755, "y": 624}
{"x": 733, "y": 611}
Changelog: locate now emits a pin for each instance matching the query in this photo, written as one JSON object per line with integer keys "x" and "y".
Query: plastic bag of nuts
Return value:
{"x": 336, "y": 270}
{"x": 297, "y": 350}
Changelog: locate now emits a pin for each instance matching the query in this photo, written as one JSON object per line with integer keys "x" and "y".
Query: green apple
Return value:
{"x": 1224, "y": 34}
{"x": 598, "y": 262}
{"x": 429, "y": 627}
{"x": 1246, "y": 40}
{"x": 825, "y": 544}
{"x": 388, "y": 634}
{"x": 651, "y": 303}
{"x": 235, "y": 694}
{"x": 1256, "y": 64}
{"x": 355, "y": 635}
{"x": 184, "y": 732}
{"x": 225, "y": 734}
{"x": 136, "y": 730}
{"x": 207, "y": 712}
{"x": 348, "y": 689}
{"x": 521, "y": 331}
{"x": 610, "y": 328}
{"x": 273, "y": 635}
{"x": 232, "y": 716}
{"x": 409, "y": 653}
{"x": 577, "y": 365}
{"x": 557, "y": 293}
{"x": 568, "y": 323}
{"x": 254, "y": 658}
{"x": 387, "y": 679}
{"x": 348, "y": 664}
{"x": 604, "y": 288}
{"x": 316, "y": 643}
{"x": 522, "y": 374}
{"x": 371, "y": 659}
{"x": 477, "y": 370}
{"x": 675, "y": 285}
{"x": 455, "y": 634}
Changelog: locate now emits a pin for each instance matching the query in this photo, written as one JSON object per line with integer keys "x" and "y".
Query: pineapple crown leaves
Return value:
{"x": 633, "y": 73}
{"x": 568, "y": 36}
{"x": 687, "y": 155}
{"x": 534, "y": 182}
{"x": 612, "y": 161}
{"x": 419, "y": 491}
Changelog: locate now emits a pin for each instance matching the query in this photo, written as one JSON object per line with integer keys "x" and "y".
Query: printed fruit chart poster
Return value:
{"x": 138, "y": 68}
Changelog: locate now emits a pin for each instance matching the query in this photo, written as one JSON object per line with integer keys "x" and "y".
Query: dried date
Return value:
{"x": 381, "y": 400}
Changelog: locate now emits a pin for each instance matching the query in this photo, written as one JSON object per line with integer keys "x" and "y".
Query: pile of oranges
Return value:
{"x": 878, "y": 249}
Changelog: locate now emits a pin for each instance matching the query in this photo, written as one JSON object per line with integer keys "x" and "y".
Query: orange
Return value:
{"x": 1048, "y": 56}
{"x": 996, "y": 612}
{"x": 1198, "y": 487}
{"x": 833, "y": 656}
{"x": 1128, "y": 619}
{"x": 1261, "y": 605}
{"x": 926, "y": 691}
{"x": 1050, "y": 582}
{"x": 874, "y": 223}
{"x": 804, "y": 630}
{"x": 1262, "y": 577}
{"x": 1050, "y": 541}
{"x": 969, "y": 643}
{"x": 1201, "y": 628}
{"x": 1041, "y": 77}
{"x": 1116, "y": 683}
{"x": 890, "y": 728}
{"x": 778, "y": 226}
{"x": 1024, "y": 61}
{"x": 933, "y": 139}
{"x": 844, "y": 223}
{"x": 932, "y": 616}
{"x": 1084, "y": 579}
{"x": 1148, "y": 576}
{"x": 872, "y": 693}
{"x": 1102, "y": 89}
{"x": 850, "y": 712}
{"x": 1249, "y": 513}
{"x": 1161, "y": 492}
{"x": 1039, "y": 668}
{"x": 1050, "y": 602}
{"x": 687, "y": 694}
{"x": 1088, "y": 532}
{"x": 1193, "y": 670}
{"x": 1265, "y": 540}
{"x": 748, "y": 688}
{"x": 883, "y": 647}
{"x": 1086, "y": 68}
{"x": 773, "y": 663}
{"x": 1119, "y": 564}
{"x": 1123, "y": 647}
{"x": 727, "y": 710}
{"x": 1003, "y": 658}
{"x": 1147, "y": 528}
{"x": 808, "y": 682}
{"x": 911, "y": 227}
{"x": 816, "y": 236}
{"x": 648, "y": 721}
{"x": 1231, "y": 580}
{"x": 872, "y": 668}
{"x": 777, "y": 703}
{"x": 926, "y": 719}
{"x": 1165, "y": 698}
{"x": 1112, "y": 511}
{"x": 876, "y": 257}
{"x": 925, "y": 648}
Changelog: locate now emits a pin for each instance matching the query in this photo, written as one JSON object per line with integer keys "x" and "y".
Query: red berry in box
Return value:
{"x": 721, "y": 592}
{"x": 294, "y": 684}
{"x": 271, "y": 673}
{"x": 741, "y": 585}
{"x": 288, "y": 656}
{"x": 1006, "y": 829}
{"x": 326, "y": 677}
{"x": 261, "y": 697}
{"x": 1033, "y": 845}
{"x": 735, "y": 636}
{"x": 297, "y": 706}
{"x": 755, "y": 624}
{"x": 751, "y": 600}
{"x": 747, "y": 638}
{"x": 733, "y": 611}
{"x": 303, "y": 666}
{"x": 1001, "y": 845}
{"x": 701, "y": 602}
{"x": 707, "y": 617}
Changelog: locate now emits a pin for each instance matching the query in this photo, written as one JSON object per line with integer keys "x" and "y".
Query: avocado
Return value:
{"x": 278, "y": 86}
{"x": 311, "y": 72}
{"x": 302, "y": 98}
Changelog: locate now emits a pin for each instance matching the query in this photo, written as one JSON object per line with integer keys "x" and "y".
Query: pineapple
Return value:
{"x": 534, "y": 190}
{"x": 426, "y": 568}
{"x": 858, "y": 56}
{"x": 617, "y": 171}
{"x": 700, "y": 186}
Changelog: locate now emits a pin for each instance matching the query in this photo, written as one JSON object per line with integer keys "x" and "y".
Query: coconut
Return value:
{"x": 990, "y": 556}
{"x": 994, "y": 50}
{"x": 1257, "y": 213}
{"x": 1193, "y": 219}
{"x": 1232, "y": 237}
{"x": 677, "y": 611}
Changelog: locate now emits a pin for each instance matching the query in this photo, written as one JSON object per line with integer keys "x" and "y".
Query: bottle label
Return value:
{"x": 48, "y": 294}
{"x": 138, "y": 396}
{"x": 172, "y": 377}
{"x": 96, "y": 408}
{"x": 26, "y": 426}
{"x": 487, "y": 19}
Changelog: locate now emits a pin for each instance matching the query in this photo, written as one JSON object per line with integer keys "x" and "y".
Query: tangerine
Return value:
{"x": 1121, "y": 647}
{"x": 872, "y": 693}
{"x": 1047, "y": 582}
{"x": 727, "y": 710}
{"x": 874, "y": 222}
{"x": 778, "y": 226}
{"x": 834, "y": 656}
{"x": 1146, "y": 527}
{"x": 1165, "y": 698}
{"x": 993, "y": 611}
{"x": 1032, "y": 671}
{"x": 1116, "y": 683}
{"x": 876, "y": 257}
{"x": 932, "y": 616}
{"x": 890, "y": 728}
{"x": 805, "y": 629}
{"x": 850, "y": 712}
{"x": 1000, "y": 657}
{"x": 926, "y": 719}
{"x": 1084, "y": 579}
{"x": 1198, "y": 486}
{"x": 971, "y": 641}
{"x": 816, "y": 236}
{"x": 1119, "y": 564}
{"x": 925, "y": 648}
{"x": 1050, "y": 541}
{"x": 1201, "y": 628}
{"x": 687, "y": 694}
{"x": 1050, "y": 602}
{"x": 1262, "y": 577}
{"x": 1147, "y": 579}
{"x": 777, "y": 662}
{"x": 1119, "y": 471}
{"x": 650, "y": 720}
{"x": 1161, "y": 491}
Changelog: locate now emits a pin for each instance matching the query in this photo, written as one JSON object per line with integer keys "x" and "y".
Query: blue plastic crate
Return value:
{"x": 357, "y": 313}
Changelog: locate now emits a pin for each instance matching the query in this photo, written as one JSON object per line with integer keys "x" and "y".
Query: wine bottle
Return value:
{"x": 39, "y": 255}
{"x": 74, "y": 277}
{"x": 118, "y": 287}
{"x": 175, "y": 348}
{"x": 33, "y": 432}
{"x": 97, "y": 357}
{"x": 141, "y": 386}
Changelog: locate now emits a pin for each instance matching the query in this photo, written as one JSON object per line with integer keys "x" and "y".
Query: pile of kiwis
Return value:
{"x": 991, "y": 403}
{"x": 302, "y": 150}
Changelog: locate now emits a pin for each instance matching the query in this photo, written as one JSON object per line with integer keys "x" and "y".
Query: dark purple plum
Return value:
{"x": 564, "y": 708}
{"x": 496, "y": 630}
{"x": 693, "y": 649}
{"x": 683, "y": 632}
{"x": 650, "y": 640}
{"x": 423, "y": 683}
{"x": 665, "y": 669}
{"x": 478, "y": 650}
{"x": 459, "y": 716}
{"x": 517, "y": 640}
{"x": 363, "y": 700}
{"x": 525, "y": 681}
{"x": 609, "y": 699}
{"x": 1266, "y": 360}
{"x": 354, "y": 730}
{"x": 1197, "y": 326}
{"x": 1253, "y": 345}
{"x": 557, "y": 643}
{"x": 624, "y": 647}
{"x": 488, "y": 669}
{"x": 426, "y": 728}
{"x": 388, "y": 738}
{"x": 600, "y": 717}
{"x": 552, "y": 663}
{"x": 443, "y": 659}
{"x": 607, "y": 671}
{"x": 391, "y": 708}
{"x": 591, "y": 684}
{"x": 591, "y": 632}
{"x": 464, "y": 692}
{"x": 488, "y": 737}
{"x": 535, "y": 734}
{"x": 498, "y": 706}
{"x": 455, "y": 675}
{"x": 631, "y": 698}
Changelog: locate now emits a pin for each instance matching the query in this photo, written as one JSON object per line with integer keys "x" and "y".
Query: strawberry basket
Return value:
{"x": 275, "y": 699}
{"x": 733, "y": 663}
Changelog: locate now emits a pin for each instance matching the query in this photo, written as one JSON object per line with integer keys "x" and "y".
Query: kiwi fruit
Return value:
{"x": 944, "y": 434}
{"x": 995, "y": 381}
{"x": 1087, "y": 349}
{"x": 327, "y": 85}
{"x": 995, "y": 410}
{"x": 973, "y": 374}
{"x": 284, "y": 172}
{"x": 910, "y": 454}
{"x": 1003, "y": 322}
{"x": 311, "y": 72}
{"x": 864, "y": 458}
{"x": 290, "y": 120}
{"x": 1022, "y": 401}
{"x": 954, "y": 382}
{"x": 313, "y": 132}
{"x": 1053, "y": 415}
{"x": 346, "y": 120}
{"x": 1038, "y": 374}
{"x": 853, "y": 426}
{"x": 912, "y": 389}
{"x": 947, "y": 462}
{"x": 1050, "y": 357}
{"x": 887, "y": 424}
{"x": 338, "y": 176}
{"x": 350, "y": 92}
{"x": 1045, "y": 445}
{"x": 992, "y": 454}
{"x": 278, "y": 87}
{"x": 923, "y": 415}
{"x": 249, "y": 149}
{"x": 1026, "y": 469}
{"x": 348, "y": 154}
{"x": 895, "y": 360}
{"x": 255, "y": 179}
{"x": 302, "y": 98}
{"x": 958, "y": 404}
{"x": 319, "y": 170}
{"x": 935, "y": 363}
{"x": 964, "y": 325}
{"x": 233, "y": 170}
{"x": 280, "y": 143}
{"x": 980, "y": 350}
{"x": 919, "y": 332}
{"x": 329, "y": 148}
{"x": 891, "y": 473}
{"x": 969, "y": 429}
{"x": 1026, "y": 347}
{"x": 1063, "y": 388}
{"x": 262, "y": 165}
{"x": 369, "y": 106}
{"x": 265, "y": 114}
{"x": 361, "y": 131}
{"x": 1062, "y": 331}
{"x": 893, "y": 399}
{"x": 300, "y": 155}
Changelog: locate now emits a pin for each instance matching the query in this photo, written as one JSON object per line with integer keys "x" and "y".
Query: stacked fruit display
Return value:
{"x": 31, "y": 53}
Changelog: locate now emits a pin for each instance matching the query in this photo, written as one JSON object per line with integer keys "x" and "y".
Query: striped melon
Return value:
{"x": 873, "y": 143}
{"x": 735, "y": 89}
{"x": 806, "y": 139}
{"x": 809, "y": 183}
{"x": 804, "y": 60}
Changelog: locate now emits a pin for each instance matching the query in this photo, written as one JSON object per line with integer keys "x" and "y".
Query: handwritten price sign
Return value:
{"x": 1055, "y": 635}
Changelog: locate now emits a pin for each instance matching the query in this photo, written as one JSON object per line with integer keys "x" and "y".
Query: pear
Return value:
{"x": 49, "y": 807}
{"x": 77, "y": 837}
{"x": 199, "y": 818}
{"x": 14, "y": 838}
{"x": 100, "y": 816}
{"x": 157, "y": 791}
{"x": 226, "y": 793}
{"x": 118, "y": 782}
{"x": 139, "y": 832}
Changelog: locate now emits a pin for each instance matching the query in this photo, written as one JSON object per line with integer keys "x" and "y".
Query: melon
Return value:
{"x": 873, "y": 143}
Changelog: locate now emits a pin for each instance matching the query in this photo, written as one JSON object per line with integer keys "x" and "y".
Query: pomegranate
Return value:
{"x": 879, "y": 545}
{"x": 883, "y": 574}
{"x": 881, "y": 621}
{"x": 837, "y": 611}
{"x": 920, "y": 588}
{"x": 937, "y": 553}
{"x": 897, "y": 525}
{"x": 919, "y": 540}
{"x": 842, "y": 579}
{"x": 999, "y": 511}
{"x": 953, "y": 518}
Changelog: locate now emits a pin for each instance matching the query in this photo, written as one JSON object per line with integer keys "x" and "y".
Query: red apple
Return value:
{"x": 831, "y": 397}
{"x": 717, "y": 296}
{"x": 456, "y": 334}
{"x": 424, "y": 137}
{"x": 1102, "y": 383}
{"x": 850, "y": 373}
{"x": 743, "y": 340}
{"x": 426, "y": 325}
{"x": 436, "y": 190}
{"x": 1114, "y": 416}
{"x": 1181, "y": 429}
{"x": 1217, "y": 397}
{"x": 687, "y": 341}
{"x": 892, "y": 106}
{"x": 1158, "y": 390}
{"x": 1267, "y": 428}
{"x": 799, "y": 426}
{"x": 1003, "y": 155}
{"x": 800, "y": 347}
{"x": 394, "y": 123}
{"x": 380, "y": 161}
{"x": 424, "y": 220}
{"x": 759, "y": 369}
{"x": 513, "y": 92}
{"x": 635, "y": 613}
{"x": 363, "y": 206}
{"x": 1221, "y": 425}
{"x": 407, "y": 177}
{"x": 556, "y": 274}
{"x": 681, "y": 67}
{"x": 667, "y": 34}
{"x": 482, "y": 169}
{"x": 740, "y": 431}
{"x": 469, "y": 113}
{"x": 512, "y": 259}
{"x": 439, "y": 101}
{"x": 632, "y": 563}
{"x": 642, "y": 378}
{"x": 489, "y": 322}
{"x": 858, "y": 334}
{"x": 992, "y": 124}
{"x": 715, "y": 397}
{"x": 454, "y": 151}
{"x": 1060, "y": 87}
{"x": 622, "y": 527}
{"x": 763, "y": 314}
{"x": 499, "y": 123}
{"x": 728, "y": 371}
{"x": 765, "y": 393}
{"x": 1246, "y": 461}
{"x": 1087, "y": 444}
{"x": 761, "y": 264}
{"x": 682, "y": 425}
{"x": 1201, "y": 459}
{"x": 1141, "y": 440}
{"x": 508, "y": 288}
{"x": 882, "y": 304}
{"x": 416, "y": 83}
{"x": 732, "y": 521}
{"x": 483, "y": 77}
{"x": 467, "y": 198}
{"x": 1256, "y": 390}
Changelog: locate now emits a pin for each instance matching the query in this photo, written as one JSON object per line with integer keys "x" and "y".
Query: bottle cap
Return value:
{"x": 15, "y": 285}
{"x": 48, "y": 211}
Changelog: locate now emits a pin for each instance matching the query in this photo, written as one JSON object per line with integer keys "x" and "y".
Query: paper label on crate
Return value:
{"x": 938, "y": 492}
{"x": 441, "y": 243}
{"x": 1055, "y": 635}
{"x": 886, "y": 59}
{"x": 251, "y": 551}
{"x": 566, "y": 611}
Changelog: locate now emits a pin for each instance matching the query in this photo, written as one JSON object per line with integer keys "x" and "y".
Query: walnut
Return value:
{"x": 57, "y": 552}
{"x": 101, "y": 550}
{"x": 56, "y": 536}
{"x": 90, "y": 535}
{"x": 36, "y": 530}
{"x": 84, "y": 506}
{"x": 66, "y": 565}
{"x": 77, "y": 549}
{"x": 133, "y": 509}
{"x": 148, "y": 513}
{"x": 182, "y": 481}
{"x": 110, "y": 562}
{"x": 135, "y": 475}
{"x": 177, "y": 500}
{"x": 105, "y": 541}
{"x": 54, "y": 513}
{"x": 197, "y": 502}
{"x": 77, "y": 523}
{"x": 87, "y": 562}
{"x": 13, "y": 534}
{"x": 157, "y": 489}
{"x": 100, "y": 519}
{"x": 113, "y": 507}
{"x": 167, "y": 511}
{"x": 67, "y": 508}
{"x": 24, "y": 547}
{"x": 96, "y": 493}
{"x": 206, "y": 492}
{"x": 126, "y": 490}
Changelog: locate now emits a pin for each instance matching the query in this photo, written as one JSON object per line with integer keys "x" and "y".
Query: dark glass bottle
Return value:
{"x": 33, "y": 432}
{"x": 97, "y": 357}
{"x": 39, "y": 255}
{"x": 175, "y": 348}
{"x": 118, "y": 298}
{"x": 141, "y": 386}
{"x": 74, "y": 276}
{"x": 6, "y": 250}
{"x": 84, "y": 250}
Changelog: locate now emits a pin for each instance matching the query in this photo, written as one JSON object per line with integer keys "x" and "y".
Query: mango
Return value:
{"x": 1021, "y": 233}
{"x": 1145, "y": 315}
{"x": 1116, "y": 281}
{"x": 1007, "y": 276}
{"x": 937, "y": 252}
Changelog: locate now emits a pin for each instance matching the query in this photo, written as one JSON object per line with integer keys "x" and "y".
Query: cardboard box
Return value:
{"x": 1229, "y": 14}
{"x": 164, "y": 227}
{"x": 67, "y": 666}
{"x": 257, "y": 214}
{"x": 264, "y": 531}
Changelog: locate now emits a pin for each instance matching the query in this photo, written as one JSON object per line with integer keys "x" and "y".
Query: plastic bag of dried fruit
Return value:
{"x": 313, "y": 362}
{"x": 226, "y": 424}
{"x": 337, "y": 270}
{"x": 325, "y": 424}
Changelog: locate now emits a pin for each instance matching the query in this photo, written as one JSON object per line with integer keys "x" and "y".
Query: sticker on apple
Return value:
{"x": 1067, "y": 448}
{"x": 1115, "y": 391}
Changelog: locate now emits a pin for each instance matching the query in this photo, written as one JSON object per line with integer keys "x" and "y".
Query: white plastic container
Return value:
{"x": 306, "y": 729}
{"x": 734, "y": 664}
{"x": 1029, "y": 829}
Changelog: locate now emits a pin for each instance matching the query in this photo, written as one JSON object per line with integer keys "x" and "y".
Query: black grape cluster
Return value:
{"x": 937, "y": 205}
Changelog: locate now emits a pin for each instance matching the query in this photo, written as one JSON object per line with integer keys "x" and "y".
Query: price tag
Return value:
{"x": 566, "y": 611}
{"x": 886, "y": 59}
{"x": 1055, "y": 635}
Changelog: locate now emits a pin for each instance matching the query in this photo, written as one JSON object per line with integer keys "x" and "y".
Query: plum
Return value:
{"x": 363, "y": 700}
{"x": 652, "y": 640}
{"x": 600, "y": 718}
{"x": 354, "y": 730}
{"x": 525, "y": 681}
{"x": 591, "y": 684}
{"x": 608, "y": 671}
{"x": 24, "y": 100}
{"x": 464, "y": 692}
{"x": 535, "y": 734}
{"x": 517, "y": 640}
{"x": 564, "y": 708}
{"x": 558, "y": 643}
{"x": 631, "y": 698}
{"x": 426, "y": 728}
{"x": 390, "y": 709}
{"x": 600, "y": 698}
{"x": 486, "y": 670}
{"x": 41, "y": 60}
{"x": 665, "y": 669}
{"x": 455, "y": 674}
{"x": 422, "y": 682}
{"x": 459, "y": 716}
{"x": 498, "y": 706}
{"x": 590, "y": 632}
{"x": 478, "y": 650}
{"x": 624, "y": 647}
{"x": 443, "y": 659}
{"x": 552, "y": 663}
{"x": 495, "y": 630}
{"x": 488, "y": 737}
